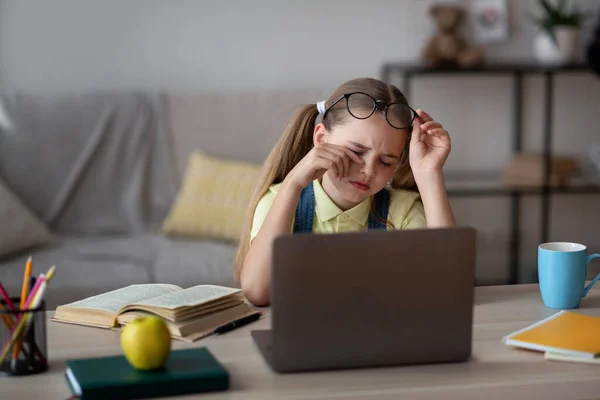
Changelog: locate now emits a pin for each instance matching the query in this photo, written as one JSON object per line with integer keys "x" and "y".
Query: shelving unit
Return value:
{"x": 477, "y": 185}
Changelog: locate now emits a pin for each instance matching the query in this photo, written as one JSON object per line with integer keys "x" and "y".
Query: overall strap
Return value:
{"x": 382, "y": 205}
{"x": 305, "y": 210}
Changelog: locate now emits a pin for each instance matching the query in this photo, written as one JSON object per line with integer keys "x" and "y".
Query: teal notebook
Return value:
{"x": 187, "y": 371}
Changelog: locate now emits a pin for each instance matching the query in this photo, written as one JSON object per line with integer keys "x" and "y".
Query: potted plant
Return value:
{"x": 557, "y": 41}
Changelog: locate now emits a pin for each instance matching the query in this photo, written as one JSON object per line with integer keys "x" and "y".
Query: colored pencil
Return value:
{"x": 32, "y": 302}
{"x": 8, "y": 321}
{"x": 24, "y": 292}
{"x": 6, "y": 297}
{"x": 38, "y": 298}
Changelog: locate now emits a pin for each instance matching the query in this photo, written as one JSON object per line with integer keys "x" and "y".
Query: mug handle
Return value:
{"x": 596, "y": 279}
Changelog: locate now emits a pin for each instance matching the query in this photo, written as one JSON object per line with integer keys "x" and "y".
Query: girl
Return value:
{"x": 357, "y": 169}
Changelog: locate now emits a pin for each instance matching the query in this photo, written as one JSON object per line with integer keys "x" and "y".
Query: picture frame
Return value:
{"x": 488, "y": 20}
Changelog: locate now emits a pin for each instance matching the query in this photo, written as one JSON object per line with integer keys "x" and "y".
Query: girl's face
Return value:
{"x": 377, "y": 143}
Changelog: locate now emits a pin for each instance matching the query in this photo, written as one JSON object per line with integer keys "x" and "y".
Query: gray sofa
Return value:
{"x": 101, "y": 171}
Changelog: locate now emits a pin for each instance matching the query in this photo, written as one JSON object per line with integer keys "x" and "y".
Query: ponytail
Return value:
{"x": 295, "y": 142}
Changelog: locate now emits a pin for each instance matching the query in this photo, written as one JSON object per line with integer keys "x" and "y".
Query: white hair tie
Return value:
{"x": 321, "y": 107}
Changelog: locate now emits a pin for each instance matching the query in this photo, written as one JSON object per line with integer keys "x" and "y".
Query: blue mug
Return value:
{"x": 562, "y": 268}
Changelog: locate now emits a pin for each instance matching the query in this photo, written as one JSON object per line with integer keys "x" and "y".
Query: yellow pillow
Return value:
{"x": 213, "y": 198}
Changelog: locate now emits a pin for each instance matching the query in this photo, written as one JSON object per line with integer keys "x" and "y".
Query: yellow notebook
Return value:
{"x": 565, "y": 332}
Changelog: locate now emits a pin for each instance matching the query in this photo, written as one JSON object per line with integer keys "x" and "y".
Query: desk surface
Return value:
{"x": 495, "y": 371}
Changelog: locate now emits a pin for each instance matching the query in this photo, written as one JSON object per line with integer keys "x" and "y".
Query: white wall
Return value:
{"x": 212, "y": 44}
{"x": 77, "y": 45}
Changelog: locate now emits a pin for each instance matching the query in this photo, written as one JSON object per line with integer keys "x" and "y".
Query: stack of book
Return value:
{"x": 565, "y": 336}
{"x": 190, "y": 314}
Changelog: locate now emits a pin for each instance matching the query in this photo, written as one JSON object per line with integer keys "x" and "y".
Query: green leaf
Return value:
{"x": 548, "y": 7}
{"x": 558, "y": 15}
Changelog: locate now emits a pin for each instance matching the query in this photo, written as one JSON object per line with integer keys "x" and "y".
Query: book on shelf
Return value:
{"x": 565, "y": 334}
{"x": 190, "y": 314}
{"x": 527, "y": 169}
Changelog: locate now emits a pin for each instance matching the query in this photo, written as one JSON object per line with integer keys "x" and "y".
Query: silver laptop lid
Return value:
{"x": 379, "y": 297}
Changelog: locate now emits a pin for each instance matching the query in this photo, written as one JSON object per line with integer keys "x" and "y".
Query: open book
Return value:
{"x": 190, "y": 313}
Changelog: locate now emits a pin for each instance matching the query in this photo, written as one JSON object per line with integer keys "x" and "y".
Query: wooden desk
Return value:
{"x": 495, "y": 372}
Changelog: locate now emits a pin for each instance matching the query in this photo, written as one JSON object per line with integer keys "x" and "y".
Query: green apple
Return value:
{"x": 146, "y": 342}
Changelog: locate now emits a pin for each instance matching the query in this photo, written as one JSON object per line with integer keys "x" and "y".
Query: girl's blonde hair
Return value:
{"x": 297, "y": 140}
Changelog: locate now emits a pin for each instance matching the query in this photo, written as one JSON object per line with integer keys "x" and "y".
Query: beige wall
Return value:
{"x": 227, "y": 46}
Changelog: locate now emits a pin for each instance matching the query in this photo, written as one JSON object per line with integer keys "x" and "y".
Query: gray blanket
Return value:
{"x": 89, "y": 164}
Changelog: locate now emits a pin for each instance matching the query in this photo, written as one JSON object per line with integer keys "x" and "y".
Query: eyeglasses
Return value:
{"x": 361, "y": 106}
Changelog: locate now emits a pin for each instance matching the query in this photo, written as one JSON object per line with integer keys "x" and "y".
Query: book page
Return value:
{"x": 115, "y": 300}
{"x": 189, "y": 297}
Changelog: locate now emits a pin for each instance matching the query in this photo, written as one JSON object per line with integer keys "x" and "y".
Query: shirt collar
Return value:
{"x": 326, "y": 209}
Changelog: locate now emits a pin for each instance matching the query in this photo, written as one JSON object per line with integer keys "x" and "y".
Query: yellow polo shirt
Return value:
{"x": 405, "y": 212}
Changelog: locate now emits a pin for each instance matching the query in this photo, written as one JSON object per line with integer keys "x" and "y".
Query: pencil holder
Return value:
{"x": 23, "y": 340}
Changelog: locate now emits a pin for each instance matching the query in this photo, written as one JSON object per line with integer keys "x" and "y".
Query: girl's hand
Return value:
{"x": 320, "y": 159}
{"x": 429, "y": 145}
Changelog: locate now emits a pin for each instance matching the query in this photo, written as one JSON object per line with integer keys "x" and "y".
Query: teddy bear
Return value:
{"x": 447, "y": 48}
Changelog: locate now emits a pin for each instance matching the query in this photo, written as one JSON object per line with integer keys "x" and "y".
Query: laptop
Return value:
{"x": 370, "y": 299}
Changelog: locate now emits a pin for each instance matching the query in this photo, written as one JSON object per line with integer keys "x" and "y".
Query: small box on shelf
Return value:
{"x": 527, "y": 169}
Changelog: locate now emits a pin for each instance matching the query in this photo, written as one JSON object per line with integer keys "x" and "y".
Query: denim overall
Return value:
{"x": 305, "y": 210}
